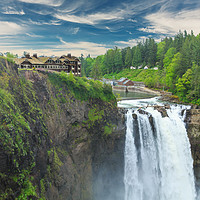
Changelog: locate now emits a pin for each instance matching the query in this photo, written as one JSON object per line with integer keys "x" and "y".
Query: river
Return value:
{"x": 131, "y": 95}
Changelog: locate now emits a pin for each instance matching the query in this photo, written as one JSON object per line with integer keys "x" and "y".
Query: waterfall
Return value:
{"x": 158, "y": 162}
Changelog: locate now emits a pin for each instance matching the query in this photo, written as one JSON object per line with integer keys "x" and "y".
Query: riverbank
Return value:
{"x": 136, "y": 89}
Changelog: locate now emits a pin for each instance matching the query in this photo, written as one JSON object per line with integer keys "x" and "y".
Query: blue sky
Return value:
{"x": 57, "y": 27}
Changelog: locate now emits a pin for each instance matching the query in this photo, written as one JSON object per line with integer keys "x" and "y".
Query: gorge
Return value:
{"x": 55, "y": 145}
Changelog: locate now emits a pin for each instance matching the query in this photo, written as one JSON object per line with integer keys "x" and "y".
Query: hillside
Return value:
{"x": 177, "y": 60}
{"x": 57, "y": 134}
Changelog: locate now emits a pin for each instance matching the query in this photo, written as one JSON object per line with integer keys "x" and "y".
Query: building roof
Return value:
{"x": 42, "y": 60}
{"x": 125, "y": 82}
{"x": 32, "y": 60}
{"x": 55, "y": 58}
{"x": 122, "y": 79}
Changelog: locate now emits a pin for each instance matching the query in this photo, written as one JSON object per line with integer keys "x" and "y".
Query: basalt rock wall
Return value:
{"x": 72, "y": 149}
{"x": 193, "y": 129}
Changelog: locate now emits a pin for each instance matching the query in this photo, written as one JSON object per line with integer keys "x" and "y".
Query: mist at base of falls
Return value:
{"x": 158, "y": 161}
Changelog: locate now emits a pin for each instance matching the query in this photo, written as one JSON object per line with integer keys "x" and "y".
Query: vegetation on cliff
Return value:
{"x": 44, "y": 118}
{"x": 177, "y": 60}
{"x": 19, "y": 115}
{"x": 82, "y": 88}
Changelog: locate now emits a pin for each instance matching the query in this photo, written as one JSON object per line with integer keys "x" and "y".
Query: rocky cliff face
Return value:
{"x": 193, "y": 127}
{"x": 72, "y": 149}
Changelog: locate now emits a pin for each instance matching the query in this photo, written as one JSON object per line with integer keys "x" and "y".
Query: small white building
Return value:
{"x": 140, "y": 67}
{"x": 146, "y": 67}
{"x": 131, "y": 67}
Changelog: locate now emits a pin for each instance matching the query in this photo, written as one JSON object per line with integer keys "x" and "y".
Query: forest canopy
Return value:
{"x": 177, "y": 60}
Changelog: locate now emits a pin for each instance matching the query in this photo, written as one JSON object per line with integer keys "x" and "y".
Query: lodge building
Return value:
{"x": 65, "y": 63}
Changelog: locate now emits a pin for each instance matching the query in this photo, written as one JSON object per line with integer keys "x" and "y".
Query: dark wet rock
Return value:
{"x": 143, "y": 112}
{"x": 134, "y": 116}
{"x": 162, "y": 110}
{"x": 193, "y": 129}
{"x": 167, "y": 106}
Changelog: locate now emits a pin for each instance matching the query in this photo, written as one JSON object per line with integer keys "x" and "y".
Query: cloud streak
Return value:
{"x": 90, "y": 19}
{"x": 34, "y": 36}
{"x": 44, "y": 2}
{"x": 82, "y": 47}
{"x": 41, "y": 23}
{"x": 10, "y": 28}
{"x": 13, "y": 11}
{"x": 169, "y": 23}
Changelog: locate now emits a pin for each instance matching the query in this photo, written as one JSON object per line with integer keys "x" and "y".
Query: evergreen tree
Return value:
{"x": 152, "y": 48}
{"x": 137, "y": 57}
{"x": 117, "y": 59}
{"x": 109, "y": 60}
{"x": 128, "y": 58}
{"x": 96, "y": 69}
{"x": 161, "y": 53}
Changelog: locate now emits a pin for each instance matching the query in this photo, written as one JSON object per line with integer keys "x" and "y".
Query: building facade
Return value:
{"x": 65, "y": 63}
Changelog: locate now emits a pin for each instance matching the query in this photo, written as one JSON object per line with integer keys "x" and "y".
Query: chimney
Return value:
{"x": 35, "y": 55}
{"x": 69, "y": 55}
{"x": 27, "y": 55}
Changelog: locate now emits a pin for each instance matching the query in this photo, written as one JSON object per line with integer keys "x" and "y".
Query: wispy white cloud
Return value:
{"x": 13, "y": 11}
{"x": 112, "y": 30}
{"x": 129, "y": 32}
{"x": 90, "y": 19}
{"x": 75, "y": 30}
{"x": 130, "y": 43}
{"x": 170, "y": 23}
{"x": 10, "y": 28}
{"x": 57, "y": 48}
{"x": 33, "y": 35}
{"x": 132, "y": 20}
{"x": 51, "y": 22}
{"x": 117, "y": 13}
{"x": 83, "y": 47}
{"x": 134, "y": 42}
{"x": 45, "y": 2}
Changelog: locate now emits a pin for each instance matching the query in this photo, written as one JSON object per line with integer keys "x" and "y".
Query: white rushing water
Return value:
{"x": 158, "y": 162}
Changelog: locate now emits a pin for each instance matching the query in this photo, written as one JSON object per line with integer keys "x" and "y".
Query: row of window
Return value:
{"x": 49, "y": 67}
{"x": 58, "y": 61}
{"x": 45, "y": 66}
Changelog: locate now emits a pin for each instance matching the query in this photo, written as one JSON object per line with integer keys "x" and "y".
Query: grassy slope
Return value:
{"x": 152, "y": 78}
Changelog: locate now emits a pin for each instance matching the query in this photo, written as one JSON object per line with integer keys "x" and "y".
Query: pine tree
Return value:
{"x": 128, "y": 58}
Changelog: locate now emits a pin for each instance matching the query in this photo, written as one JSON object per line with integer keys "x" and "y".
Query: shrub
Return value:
{"x": 81, "y": 88}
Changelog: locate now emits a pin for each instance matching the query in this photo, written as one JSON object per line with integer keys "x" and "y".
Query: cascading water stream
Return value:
{"x": 158, "y": 162}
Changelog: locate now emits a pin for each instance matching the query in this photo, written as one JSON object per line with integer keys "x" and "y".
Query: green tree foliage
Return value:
{"x": 171, "y": 75}
{"x": 109, "y": 60}
{"x": 87, "y": 65}
{"x": 117, "y": 59}
{"x": 152, "y": 48}
{"x": 178, "y": 60}
{"x": 168, "y": 57}
{"x": 194, "y": 95}
{"x": 81, "y": 88}
{"x": 137, "y": 57}
{"x": 161, "y": 53}
{"x": 183, "y": 85}
{"x": 96, "y": 69}
{"x": 128, "y": 58}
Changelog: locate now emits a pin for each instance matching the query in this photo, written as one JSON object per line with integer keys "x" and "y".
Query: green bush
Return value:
{"x": 81, "y": 88}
